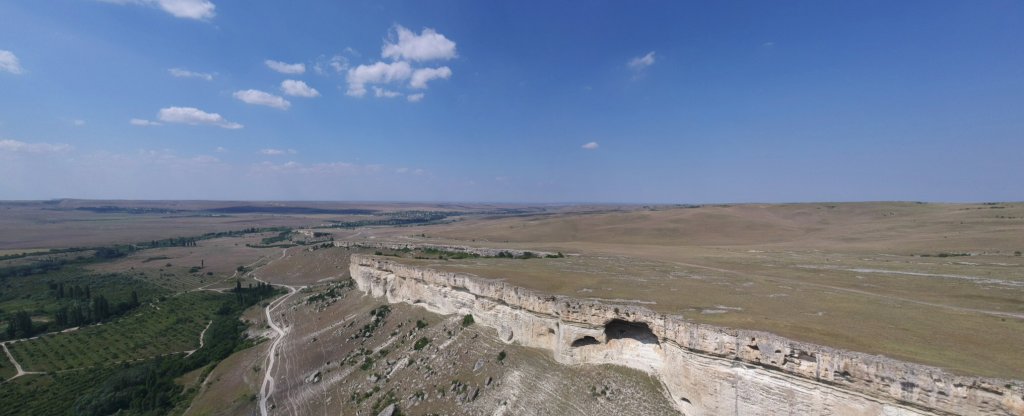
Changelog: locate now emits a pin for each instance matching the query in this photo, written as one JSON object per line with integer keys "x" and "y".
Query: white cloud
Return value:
{"x": 285, "y": 68}
{"x": 194, "y": 116}
{"x": 383, "y": 93}
{"x": 277, "y": 152}
{"x": 327, "y": 169}
{"x": 642, "y": 62}
{"x": 298, "y": 89}
{"x": 205, "y": 159}
{"x": 15, "y": 146}
{"x": 220, "y": 149}
{"x": 9, "y": 62}
{"x": 184, "y": 73}
{"x": 189, "y": 9}
{"x": 257, "y": 97}
{"x": 403, "y": 47}
{"x": 185, "y": 9}
{"x": 337, "y": 63}
{"x": 377, "y": 73}
{"x": 591, "y": 146}
{"x": 143, "y": 123}
{"x": 404, "y": 171}
{"x": 78, "y": 122}
{"x": 420, "y": 77}
{"x": 428, "y": 45}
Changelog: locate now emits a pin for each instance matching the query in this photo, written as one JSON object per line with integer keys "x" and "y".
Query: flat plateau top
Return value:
{"x": 940, "y": 285}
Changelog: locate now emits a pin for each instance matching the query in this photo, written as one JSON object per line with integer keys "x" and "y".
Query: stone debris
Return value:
{"x": 388, "y": 411}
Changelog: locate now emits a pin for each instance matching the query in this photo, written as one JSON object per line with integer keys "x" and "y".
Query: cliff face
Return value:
{"x": 707, "y": 370}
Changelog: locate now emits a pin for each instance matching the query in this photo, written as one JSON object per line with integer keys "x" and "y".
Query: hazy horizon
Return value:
{"x": 524, "y": 203}
{"x": 655, "y": 103}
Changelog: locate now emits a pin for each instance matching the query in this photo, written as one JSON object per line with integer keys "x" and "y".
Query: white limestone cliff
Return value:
{"x": 708, "y": 370}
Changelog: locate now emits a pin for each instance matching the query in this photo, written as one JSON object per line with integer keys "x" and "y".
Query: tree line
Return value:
{"x": 85, "y": 309}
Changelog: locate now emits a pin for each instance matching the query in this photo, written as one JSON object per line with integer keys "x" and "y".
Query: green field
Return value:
{"x": 6, "y": 368}
{"x": 147, "y": 333}
{"x": 28, "y": 395}
{"x": 35, "y": 293}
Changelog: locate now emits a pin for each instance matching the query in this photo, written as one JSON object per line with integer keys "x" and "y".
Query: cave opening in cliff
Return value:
{"x": 587, "y": 340}
{"x": 638, "y": 331}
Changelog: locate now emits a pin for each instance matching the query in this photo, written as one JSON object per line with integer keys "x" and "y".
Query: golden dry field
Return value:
{"x": 939, "y": 284}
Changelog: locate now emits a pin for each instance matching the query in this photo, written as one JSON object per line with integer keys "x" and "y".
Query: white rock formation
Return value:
{"x": 708, "y": 370}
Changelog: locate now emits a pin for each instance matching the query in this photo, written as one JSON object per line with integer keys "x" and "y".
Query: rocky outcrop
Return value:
{"x": 708, "y": 370}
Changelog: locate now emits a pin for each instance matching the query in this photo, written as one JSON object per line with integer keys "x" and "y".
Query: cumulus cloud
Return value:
{"x": 384, "y": 93}
{"x": 591, "y": 146}
{"x": 403, "y": 47}
{"x": 277, "y": 152}
{"x": 257, "y": 97}
{"x": 142, "y": 122}
{"x": 298, "y": 89}
{"x": 641, "y": 63}
{"x": 184, "y": 73}
{"x": 194, "y": 116}
{"x": 185, "y": 9}
{"x": 9, "y": 62}
{"x": 336, "y": 63}
{"x": 285, "y": 68}
{"x": 420, "y": 77}
{"x": 377, "y": 73}
{"x": 404, "y": 44}
{"x": 15, "y": 146}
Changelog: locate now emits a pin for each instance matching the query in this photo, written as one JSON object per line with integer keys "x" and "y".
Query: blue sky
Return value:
{"x": 516, "y": 102}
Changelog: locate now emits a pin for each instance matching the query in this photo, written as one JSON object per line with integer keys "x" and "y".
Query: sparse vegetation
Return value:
{"x": 378, "y": 314}
{"x": 467, "y": 321}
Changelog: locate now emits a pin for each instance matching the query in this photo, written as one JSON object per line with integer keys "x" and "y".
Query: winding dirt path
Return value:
{"x": 233, "y": 275}
{"x": 267, "y": 387}
{"x": 17, "y": 366}
{"x": 201, "y": 342}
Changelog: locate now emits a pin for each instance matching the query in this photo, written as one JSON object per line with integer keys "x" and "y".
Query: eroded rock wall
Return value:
{"x": 707, "y": 370}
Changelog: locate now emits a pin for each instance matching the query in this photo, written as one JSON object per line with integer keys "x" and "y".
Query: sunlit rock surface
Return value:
{"x": 708, "y": 370}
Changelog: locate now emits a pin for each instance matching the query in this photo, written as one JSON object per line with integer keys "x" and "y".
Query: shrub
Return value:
{"x": 467, "y": 321}
{"x": 502, "y": 355}
{"x": 420, "y": 343}
{"x": 421, "y": 324}
{"x": 367, "y": 364}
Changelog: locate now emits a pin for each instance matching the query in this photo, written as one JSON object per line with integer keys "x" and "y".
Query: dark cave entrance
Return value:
{"x": 639, "y": 331}
{"x": 587, "y": 340}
